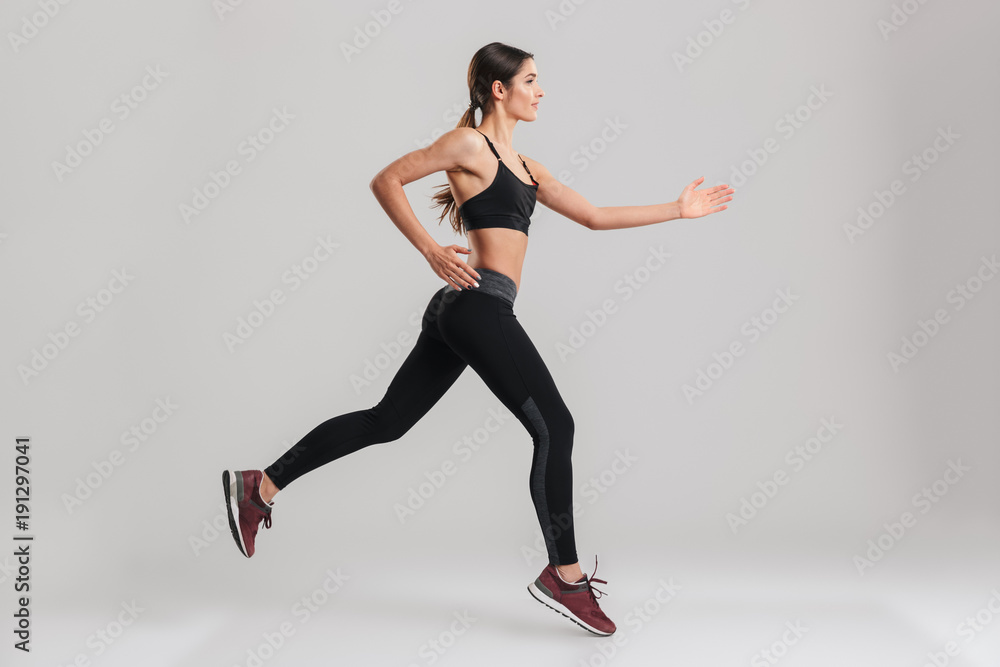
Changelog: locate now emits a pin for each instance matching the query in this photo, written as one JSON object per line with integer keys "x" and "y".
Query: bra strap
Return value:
{"x": 491, "y": 146}
{"x": 526, "y": 167}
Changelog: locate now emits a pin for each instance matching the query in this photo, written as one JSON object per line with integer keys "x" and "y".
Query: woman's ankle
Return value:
{"x": 570, "y": 574}
{"x": 268, "y": 490}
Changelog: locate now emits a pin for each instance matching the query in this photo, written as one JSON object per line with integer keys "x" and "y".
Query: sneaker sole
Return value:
{"x": 230, "y": 487}
{"x": 562, "y": 609}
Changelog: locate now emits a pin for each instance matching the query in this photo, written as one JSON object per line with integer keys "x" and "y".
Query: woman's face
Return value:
{"x": 522, "y": 98}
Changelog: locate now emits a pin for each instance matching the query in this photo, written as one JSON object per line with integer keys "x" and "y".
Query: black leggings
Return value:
{"x": 470, "y": 327}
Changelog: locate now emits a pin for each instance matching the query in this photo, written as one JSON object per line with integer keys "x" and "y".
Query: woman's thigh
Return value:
{"x": 427, "y": 372}
{"x": 485, "y": 332}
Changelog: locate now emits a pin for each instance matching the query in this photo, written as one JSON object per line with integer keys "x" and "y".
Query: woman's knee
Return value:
{"x": 562, "y": 437}
{"x": 551, "y": 422}
{"x": 561, "y": 420}
{"x": 385, "y": 424}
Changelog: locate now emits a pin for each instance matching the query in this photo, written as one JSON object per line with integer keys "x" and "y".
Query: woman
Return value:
{"x": 470, "y": 321}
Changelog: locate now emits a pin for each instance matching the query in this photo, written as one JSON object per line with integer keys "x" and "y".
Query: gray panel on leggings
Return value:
{"x": 538, "y": 478}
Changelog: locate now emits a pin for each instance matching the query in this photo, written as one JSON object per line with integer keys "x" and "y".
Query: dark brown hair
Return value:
{"x": 493, "y": 62}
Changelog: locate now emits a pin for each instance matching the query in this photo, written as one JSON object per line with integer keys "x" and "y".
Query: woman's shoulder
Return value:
{"x": 465, "y": 140}
{"x": 462, "y": 148}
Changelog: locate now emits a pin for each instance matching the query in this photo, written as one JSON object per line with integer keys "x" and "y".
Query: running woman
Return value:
{"x": 490, "y": 196}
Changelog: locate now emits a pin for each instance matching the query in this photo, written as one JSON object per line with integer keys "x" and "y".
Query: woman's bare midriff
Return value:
{"x": 500, "y": 249}
{"x": 496, "y": 248}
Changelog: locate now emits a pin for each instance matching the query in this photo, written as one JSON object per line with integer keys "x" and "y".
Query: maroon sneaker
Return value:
{"x": 246, "y": 507}
{"x": 574, "y": 601}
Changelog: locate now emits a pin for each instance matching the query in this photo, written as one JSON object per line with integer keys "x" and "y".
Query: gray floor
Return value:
{"x": 395, "y": 611}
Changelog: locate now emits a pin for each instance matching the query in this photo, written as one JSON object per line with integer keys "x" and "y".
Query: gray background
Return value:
{"x": 145, "y": 534}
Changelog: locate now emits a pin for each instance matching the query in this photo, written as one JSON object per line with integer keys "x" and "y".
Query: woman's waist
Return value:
{"x": 492, "y": 281}
{"x": 502, "y": 258}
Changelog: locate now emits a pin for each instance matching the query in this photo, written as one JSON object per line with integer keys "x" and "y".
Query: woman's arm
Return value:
{"x": 623, "y": 217}
{"x": 567, "y": 202}
{"x": 452, "y": 149}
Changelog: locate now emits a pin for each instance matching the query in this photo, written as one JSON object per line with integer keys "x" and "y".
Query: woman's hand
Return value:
{"x": 696, "y": 203}
{"x": 446, "y": 263}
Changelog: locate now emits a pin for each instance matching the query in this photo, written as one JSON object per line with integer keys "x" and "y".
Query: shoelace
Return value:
{"x": 590, "y": 581}
{"x": 260, "y": 509}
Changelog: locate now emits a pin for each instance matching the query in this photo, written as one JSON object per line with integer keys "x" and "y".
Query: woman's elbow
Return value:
{"x": 593, "y": 219}
{"x": 381, "y": 183}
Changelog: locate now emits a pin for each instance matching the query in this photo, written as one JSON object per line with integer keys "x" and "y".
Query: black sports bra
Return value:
{"x": 508, "y": 201}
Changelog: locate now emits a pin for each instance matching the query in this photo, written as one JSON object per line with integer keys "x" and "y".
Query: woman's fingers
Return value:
{"x": 452, "y": 270}
{"x": 463, "y": 279}
{"x": 472, "y": 281}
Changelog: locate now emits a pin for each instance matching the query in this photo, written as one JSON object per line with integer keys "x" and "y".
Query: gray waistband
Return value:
{"x": 493, "y": 282}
